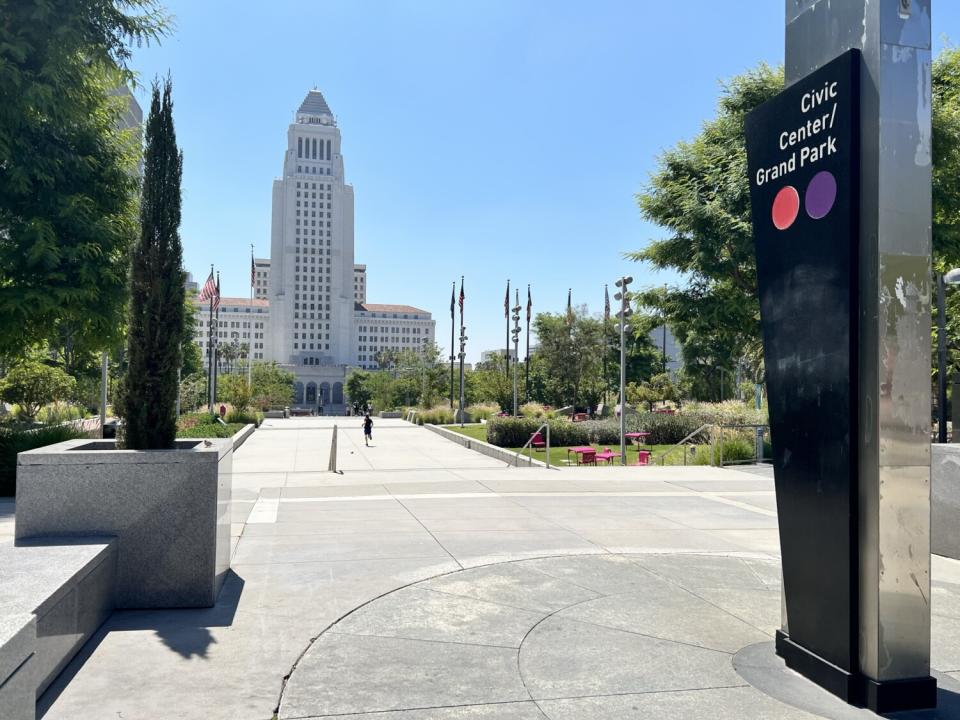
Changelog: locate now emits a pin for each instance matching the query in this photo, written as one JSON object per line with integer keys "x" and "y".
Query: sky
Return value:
{"x": 503, "y": 139}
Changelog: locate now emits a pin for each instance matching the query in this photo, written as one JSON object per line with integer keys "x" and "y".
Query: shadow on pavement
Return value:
{"x": 185, "y": 632}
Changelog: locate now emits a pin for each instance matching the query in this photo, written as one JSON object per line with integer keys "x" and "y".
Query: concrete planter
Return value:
{"x": 945, "y": 500}
{"x": 168, "y": 509}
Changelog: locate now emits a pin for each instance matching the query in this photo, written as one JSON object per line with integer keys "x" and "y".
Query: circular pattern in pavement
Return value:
{"x": 585, "y": 637}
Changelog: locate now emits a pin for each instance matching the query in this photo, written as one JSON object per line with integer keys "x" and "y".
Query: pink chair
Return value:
{"x": 643, "y": 457}
{"x": 537, "y": 442}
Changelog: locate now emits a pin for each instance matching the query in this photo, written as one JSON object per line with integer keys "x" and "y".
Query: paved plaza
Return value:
{"x": 428, "y": 581}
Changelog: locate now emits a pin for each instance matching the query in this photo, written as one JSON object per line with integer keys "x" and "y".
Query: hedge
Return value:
{"x": 664, "y": 430}
{"x": 13, "y": 441}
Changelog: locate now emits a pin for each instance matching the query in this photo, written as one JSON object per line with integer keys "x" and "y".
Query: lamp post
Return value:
{"x": 950, "y": 278}
{"x": 462, "y": 354}
{"x": 516, "y": 348}
{"x": 624, "y": 313}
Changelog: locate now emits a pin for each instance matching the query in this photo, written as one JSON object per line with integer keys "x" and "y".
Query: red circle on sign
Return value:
{"x": 786, "y": 206}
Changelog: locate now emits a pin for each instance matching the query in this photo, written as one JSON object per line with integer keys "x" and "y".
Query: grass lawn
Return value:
{"x": 558, "y": 455}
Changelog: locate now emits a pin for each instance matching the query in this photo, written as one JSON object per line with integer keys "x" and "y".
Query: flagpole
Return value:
{"x": 210, "y": 350}
{"x": 216, "y": 345}
{"x": 506, "y": 314}
{"x": 453, "y": 292}
{"x": 253, "y": 270}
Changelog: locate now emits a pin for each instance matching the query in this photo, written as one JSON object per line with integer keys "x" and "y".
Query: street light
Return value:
{"x": 516, "y": 348}
{"x": 950, "y": 278}
{"x": 622, "y": 316}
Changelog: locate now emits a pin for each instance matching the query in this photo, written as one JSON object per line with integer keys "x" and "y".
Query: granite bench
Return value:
{"x": 54, "y": 595}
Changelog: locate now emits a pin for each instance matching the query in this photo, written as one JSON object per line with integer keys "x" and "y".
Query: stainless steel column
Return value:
{"x": 895, "y": 297}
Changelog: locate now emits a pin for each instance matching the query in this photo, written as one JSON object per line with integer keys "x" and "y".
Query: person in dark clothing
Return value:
{"x": 367, "y": 430}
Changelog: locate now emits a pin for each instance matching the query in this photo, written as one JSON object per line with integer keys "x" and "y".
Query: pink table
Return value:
{"x": 579, "y": 451}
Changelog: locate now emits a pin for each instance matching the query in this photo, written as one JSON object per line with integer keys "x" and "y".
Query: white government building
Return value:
{"x": 310, "y": 311}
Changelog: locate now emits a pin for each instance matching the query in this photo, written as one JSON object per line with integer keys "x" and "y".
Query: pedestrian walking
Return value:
{"x": 367, "y": 430}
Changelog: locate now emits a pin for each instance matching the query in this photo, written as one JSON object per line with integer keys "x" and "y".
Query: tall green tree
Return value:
{"x": 272, "y": 386}
{"x": 157, "y": 289}
{"x": 67, "y": 171}
{"x": 569, "y": 358}
{"x": 358, "y": 389}
{"x": 699, "y": 195}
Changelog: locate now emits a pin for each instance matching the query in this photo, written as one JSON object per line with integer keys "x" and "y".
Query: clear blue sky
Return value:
{"x": 496, "y": 139}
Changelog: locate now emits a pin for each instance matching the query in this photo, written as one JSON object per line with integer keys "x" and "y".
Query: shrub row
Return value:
{"x": 439, "y": 415}
{"x": 482, "y": 411}
{"x": 210, "y": 430}
{"x": 244, "y": 417}
{"x": 663, "y": 429}
{"x": 13, "y": 441}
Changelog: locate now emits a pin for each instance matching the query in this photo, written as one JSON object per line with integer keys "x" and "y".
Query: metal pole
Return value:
{"x": 461, "y": 384}
{"x": 210, "y": 341}
{"x": 721, "y": 384}
{"x": 514, "y": 388}
{"x": 103, "y": 391}
{"x": 250, "y": 336}
{"x": 526, "y": 382}
{"x": 516, "y": 347}
{"x": 454, "y": 292}
{"x": 941, "y": 359}
{"x": 506, "y": 353}
{"x": 463, "y": 351}
{"x": 623, "y": 375}
{"x": 548, "y": 445}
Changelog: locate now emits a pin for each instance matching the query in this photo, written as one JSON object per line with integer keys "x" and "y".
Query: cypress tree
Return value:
{"x": 156, "y": 289}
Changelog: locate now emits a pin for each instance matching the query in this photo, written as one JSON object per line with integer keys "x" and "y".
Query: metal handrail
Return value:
{"x": 662, "y": 457}
{"x": 527, "y": 444}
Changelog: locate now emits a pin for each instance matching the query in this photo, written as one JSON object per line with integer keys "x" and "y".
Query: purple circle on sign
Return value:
{"x": 821, "y": 194}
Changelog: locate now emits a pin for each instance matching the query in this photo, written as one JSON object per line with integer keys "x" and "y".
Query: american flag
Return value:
{"x": 506, "y": 302}
{"x": 529, "y": 304}
{"x": 606, "y": 303}
{"x": 216, "y": 298}
{"x": 462, "y": 296}
{"x": 209, "y": 289}
{"x": 253, "y": 271}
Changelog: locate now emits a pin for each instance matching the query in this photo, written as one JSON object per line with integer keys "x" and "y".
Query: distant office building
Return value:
{"x": 261, "y": 279}
{"x": 360, "y": 283}
{"x": 488, "y": 355}
{"x": 239, "y": 317}
{"x": 667, "y": 343}
{"x": 309, "y": 295}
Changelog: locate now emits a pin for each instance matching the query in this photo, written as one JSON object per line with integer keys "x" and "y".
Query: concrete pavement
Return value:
{"x": 521, "y": 584}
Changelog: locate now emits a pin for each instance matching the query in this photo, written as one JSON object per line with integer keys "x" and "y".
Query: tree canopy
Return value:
{"x": 67, "y": 170}
{"x": 699, "y": 195}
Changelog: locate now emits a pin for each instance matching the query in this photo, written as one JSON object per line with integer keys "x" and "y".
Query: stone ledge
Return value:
{"x": 76, "y": 452}
{"x": 18, "y": 641}
{"x": 240, "y": 437}
{"x": 484, "y": 448}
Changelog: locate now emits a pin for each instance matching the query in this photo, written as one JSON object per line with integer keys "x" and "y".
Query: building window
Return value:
{"x": 328, "y": 150}
{"x": 299, "y": 147}
{"x": 314, "y": 156}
